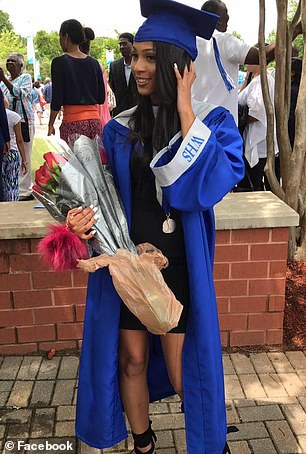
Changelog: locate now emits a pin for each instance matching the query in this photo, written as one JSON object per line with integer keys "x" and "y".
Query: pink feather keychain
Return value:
{"x": 61, "y": 248}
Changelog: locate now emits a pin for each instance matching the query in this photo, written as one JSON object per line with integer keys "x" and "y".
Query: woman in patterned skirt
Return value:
{"x": 77, "y": 85}
{"x": 11, "y": 158}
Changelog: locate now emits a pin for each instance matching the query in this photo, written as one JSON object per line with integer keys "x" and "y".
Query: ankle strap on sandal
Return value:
{"x": 144, "y": 439}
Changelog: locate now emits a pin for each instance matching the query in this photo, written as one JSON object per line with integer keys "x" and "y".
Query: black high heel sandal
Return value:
{"x": 144, "y": 439}
{"x": 230, "y": 429}
{"x": 226, "y": 449}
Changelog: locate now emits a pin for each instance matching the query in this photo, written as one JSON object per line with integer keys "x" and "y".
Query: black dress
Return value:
{"x": 147, "y": 219}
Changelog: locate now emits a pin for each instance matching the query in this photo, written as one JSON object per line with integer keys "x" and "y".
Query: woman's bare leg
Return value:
{"x": 172, "y": 344}
{"x": 39, "y": 114}
{"x": 133, "y": 363}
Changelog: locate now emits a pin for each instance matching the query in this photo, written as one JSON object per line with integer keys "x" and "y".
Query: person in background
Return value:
{"x": 218, "y": 61}
{"x": 47, "y": 91}
{"x": 103, "y": 109}
{"x": 36, "y": 103}
{"x": 241, "y": 77}
{"x": 172, "y": 160}
{"x": 14, "y": 159}
{"x": 40, "y": 88}
{"x": 4, "y": 139}
{"x": 77, "y": 85}
{"x": 18, "y": 90}
{"x": 255, "y": 131}
{"x": 121, "y": 79}
{"x": 296, "y": 74}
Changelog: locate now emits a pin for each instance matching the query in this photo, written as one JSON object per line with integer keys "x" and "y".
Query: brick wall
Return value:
{"x": 250, "y": 275}
{"x": 41, "y": 309}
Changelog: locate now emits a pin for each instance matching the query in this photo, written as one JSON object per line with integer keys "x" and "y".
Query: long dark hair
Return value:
{"x": 89, "y": 36}
{"x": 156, "y": 132}
{"x": 74, "y": 29}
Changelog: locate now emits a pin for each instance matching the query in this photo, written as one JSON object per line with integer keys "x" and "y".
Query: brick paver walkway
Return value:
{"x": 266, "y": 401}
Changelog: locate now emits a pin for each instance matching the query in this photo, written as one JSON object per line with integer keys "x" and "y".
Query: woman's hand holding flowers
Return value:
{"x": 81, "y": 220}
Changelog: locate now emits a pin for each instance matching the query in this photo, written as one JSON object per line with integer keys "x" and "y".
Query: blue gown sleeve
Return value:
{"x": 109, "y": 141}
{"x": 196, "y": 173}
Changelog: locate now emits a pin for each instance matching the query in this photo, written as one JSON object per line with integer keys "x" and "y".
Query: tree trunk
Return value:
{"x": 298, "y": 155}
{"x": 296, "y": 192}
{"x": 281, "y": 96}
{"x": 270, "y": 165}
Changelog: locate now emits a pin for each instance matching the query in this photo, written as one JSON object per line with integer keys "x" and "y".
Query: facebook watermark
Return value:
{"x": 21, "y": 445}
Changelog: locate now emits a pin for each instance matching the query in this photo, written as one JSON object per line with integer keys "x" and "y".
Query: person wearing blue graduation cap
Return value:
{"x": 172, "y": 160}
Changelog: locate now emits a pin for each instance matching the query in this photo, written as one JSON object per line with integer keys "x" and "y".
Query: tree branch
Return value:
{"x": 270, "y": 165}
{"x": 298, "y": 156}
{"x": 295, "y": 18}
{"x": 281, "y": 94}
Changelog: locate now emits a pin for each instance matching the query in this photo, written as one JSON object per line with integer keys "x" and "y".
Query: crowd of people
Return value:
{"x": 175, "y": 150}
{"x": 221, "y": 83}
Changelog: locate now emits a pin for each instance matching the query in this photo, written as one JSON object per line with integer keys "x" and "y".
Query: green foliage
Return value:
{"x": 293, "y": 4}
{"x": 47, "y": 45}
{"x": 110, "y": 44}
{"x": 5, "y": 23}
{"x": 237, "y": 35}
{"x": 298, "y": 42}
{"x": 10, "y": 42}
{"x": 96, "y": 47}
{"x": 45, "y": 67}
{"x": 271, "y": 37}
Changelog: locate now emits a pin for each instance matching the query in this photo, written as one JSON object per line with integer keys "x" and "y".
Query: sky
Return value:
{"x": 106, "y": 16}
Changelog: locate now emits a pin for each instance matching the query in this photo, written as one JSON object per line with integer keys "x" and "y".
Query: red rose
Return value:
{"x": 36, "y": 188}
{"x": 41, "y": 175}
{"x": 45, "y": 178}
{"x": 54, "y": 160}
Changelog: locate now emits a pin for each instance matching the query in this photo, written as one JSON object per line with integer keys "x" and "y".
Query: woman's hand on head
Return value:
{"x": 184, "y": 84}
{"x": 81, "y": 220}
{"x": 184, "y": 107}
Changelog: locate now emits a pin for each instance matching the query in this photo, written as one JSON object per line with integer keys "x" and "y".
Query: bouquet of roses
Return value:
{"x": 47, "y": 179}
{"x": 76, "y": 177}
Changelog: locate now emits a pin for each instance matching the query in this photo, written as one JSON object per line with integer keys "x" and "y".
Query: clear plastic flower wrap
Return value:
{"x": 76, "y": 177}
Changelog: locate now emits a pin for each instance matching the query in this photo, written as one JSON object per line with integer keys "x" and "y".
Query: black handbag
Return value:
{"x": 25, "y": 131}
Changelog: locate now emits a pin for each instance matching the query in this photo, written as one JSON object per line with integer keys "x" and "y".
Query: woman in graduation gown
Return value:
{"x": 172, "y": 161}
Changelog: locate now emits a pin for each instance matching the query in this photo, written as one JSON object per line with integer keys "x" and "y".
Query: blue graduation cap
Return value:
{"x": 174, "y": 23}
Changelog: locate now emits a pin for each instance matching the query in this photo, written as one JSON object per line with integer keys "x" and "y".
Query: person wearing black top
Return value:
{"x": 77, "y": 85}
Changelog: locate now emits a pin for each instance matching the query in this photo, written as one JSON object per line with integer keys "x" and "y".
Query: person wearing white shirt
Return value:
{"x": 14, "y": 159}
{"x": 218, "y": 61}
{"x": 255, "y": 132}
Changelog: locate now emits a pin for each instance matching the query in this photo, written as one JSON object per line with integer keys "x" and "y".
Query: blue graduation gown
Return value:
{"x": 194, "y": 175}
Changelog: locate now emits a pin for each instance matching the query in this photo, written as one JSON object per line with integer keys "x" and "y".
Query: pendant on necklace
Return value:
{"x": 169, "y": 225}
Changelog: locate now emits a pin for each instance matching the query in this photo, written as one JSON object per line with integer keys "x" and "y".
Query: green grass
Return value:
{"x": 40, "y": 147}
